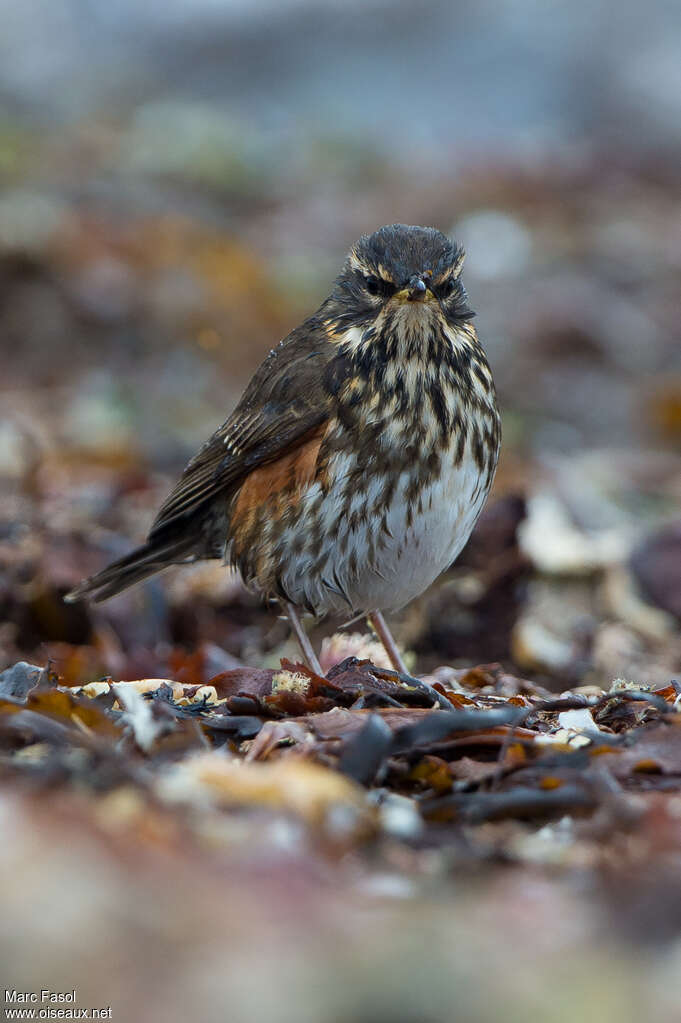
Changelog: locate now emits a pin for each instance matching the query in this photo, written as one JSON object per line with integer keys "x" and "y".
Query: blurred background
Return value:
{"x": 180, "y": 183}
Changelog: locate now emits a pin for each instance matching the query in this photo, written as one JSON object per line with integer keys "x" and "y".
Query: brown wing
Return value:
{"x": 287, "y": 403}
{"x": 284, "y": 401}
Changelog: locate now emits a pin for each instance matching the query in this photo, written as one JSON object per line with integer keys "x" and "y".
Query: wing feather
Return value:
{"x": 285, "y": 399}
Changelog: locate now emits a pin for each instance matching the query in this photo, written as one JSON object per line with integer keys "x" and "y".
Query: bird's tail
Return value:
{"x": 144, "y": 561}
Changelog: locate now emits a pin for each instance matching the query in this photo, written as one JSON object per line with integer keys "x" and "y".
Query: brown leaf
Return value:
{"x": 434, "y": 773}
{"x": 657, "y": 748}
{"x": 59, "y": 704}
{"x": 255, "y": 682}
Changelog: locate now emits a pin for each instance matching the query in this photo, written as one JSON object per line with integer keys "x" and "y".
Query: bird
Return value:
{"x": 359, "y": 457}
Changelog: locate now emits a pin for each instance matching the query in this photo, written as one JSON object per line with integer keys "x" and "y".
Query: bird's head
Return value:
{"x": 410, "y": 273}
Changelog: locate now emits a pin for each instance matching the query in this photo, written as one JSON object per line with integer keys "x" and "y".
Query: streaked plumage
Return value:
{"x": 354, "y": 467}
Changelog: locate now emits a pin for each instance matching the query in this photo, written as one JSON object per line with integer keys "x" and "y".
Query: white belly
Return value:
{"x": 371, "y": 567}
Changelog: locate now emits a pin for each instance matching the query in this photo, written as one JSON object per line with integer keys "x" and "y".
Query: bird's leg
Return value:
{"x": 378, "y": 624}
{"x": 303, "y": 640}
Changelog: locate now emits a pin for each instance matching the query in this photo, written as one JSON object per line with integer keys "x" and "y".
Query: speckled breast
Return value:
{"x": 383, "y": 539}
{"x": 394, "y": 495}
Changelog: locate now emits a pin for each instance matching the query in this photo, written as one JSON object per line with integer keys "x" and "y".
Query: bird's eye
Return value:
{"x": 373, "y": 285}
{"x": 446, "y": 288}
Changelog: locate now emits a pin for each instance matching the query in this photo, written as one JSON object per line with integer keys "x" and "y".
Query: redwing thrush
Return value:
{"x": 353, "y": 469}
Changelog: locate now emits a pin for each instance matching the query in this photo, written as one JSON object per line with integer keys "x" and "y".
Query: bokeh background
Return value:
{"x": 179, "y": 183}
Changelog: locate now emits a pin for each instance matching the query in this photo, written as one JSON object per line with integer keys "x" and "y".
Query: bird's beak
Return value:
{"x": 415, "y": 291}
